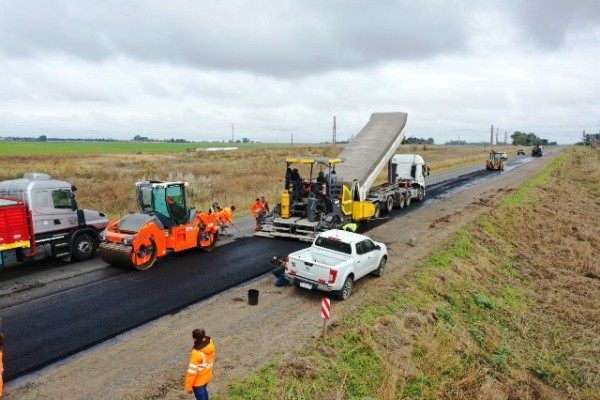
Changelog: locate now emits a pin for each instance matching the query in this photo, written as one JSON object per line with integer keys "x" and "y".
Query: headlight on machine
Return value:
{"x": 102, "y": 236}
{"x": 128, "y": 241}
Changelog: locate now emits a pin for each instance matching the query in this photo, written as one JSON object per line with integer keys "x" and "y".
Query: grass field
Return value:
{"x": 105, "y": 173}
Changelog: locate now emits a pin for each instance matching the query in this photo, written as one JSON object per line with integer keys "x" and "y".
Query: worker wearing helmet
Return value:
{"x": 258, "y": 211}
{"x": 278, "y": 271}
{"x": 200, "y": 369}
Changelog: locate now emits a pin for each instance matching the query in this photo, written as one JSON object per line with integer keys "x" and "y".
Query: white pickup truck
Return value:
{"x": 334, "y": 261}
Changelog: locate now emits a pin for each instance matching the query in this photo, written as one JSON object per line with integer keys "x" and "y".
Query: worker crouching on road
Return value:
{"x": 200, "y": 370}
{"x": 258, "y": 211}
{"x": 278, "y": 271}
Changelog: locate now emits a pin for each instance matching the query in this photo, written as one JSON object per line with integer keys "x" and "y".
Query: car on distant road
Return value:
{"x": 520, "y": 152}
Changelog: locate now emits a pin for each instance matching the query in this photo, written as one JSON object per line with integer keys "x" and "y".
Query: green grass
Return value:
{"x": 10, "y": 148}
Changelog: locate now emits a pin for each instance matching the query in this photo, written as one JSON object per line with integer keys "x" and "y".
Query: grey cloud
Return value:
{"x": 549, "y": 22}
{"x": 272, "y": 38}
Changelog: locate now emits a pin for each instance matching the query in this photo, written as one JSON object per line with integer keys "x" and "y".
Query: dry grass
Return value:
{"x": 106, "y": 181}
{"x": 507, "y": 309}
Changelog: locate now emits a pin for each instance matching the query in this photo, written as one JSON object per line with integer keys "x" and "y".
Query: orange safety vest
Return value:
{"x": 1, "y": 372}
{"x": 200, "y": 370}
{"x": 258, "y": 208}
{"x": 226, "y": 215}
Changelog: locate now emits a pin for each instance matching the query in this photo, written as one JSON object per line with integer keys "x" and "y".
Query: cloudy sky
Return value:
{"x": 273, "y": 69}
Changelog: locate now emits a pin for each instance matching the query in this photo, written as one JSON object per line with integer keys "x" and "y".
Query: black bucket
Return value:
{"x": 253, "y": 297}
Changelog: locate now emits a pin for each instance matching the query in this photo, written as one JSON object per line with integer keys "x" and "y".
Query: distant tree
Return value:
{"x": 42, "y": 138}
{"x": 245, "y": 140}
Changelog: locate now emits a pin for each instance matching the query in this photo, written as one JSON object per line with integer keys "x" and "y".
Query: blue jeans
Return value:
{"x": 200, "y": 392}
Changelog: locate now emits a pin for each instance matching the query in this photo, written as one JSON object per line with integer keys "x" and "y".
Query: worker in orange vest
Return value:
{"x": 258, "y": 211}
{"x": 1, "y": 362}
{"x": 226, "y": 215}
{"x": 200, "y": 369}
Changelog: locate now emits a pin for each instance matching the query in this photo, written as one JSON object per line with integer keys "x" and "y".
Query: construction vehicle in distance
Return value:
{"x": 536, "y": 151}
{"x": 495, "y": 161}
{"x": 344, "y": 192}
{"x": 166, "y": 224}
{"x": 39, "y": 218}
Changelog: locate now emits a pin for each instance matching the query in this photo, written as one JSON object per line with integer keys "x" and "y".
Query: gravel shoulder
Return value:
{"x": 150, "y": 362}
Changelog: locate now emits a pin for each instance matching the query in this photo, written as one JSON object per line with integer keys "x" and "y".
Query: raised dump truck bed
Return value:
{"x": 371, "y": 150}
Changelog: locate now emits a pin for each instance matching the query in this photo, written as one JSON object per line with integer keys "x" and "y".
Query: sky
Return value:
{"x": 279, "y": 71}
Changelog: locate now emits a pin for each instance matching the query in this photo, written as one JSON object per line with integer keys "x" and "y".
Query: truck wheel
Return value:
{"x": 401, "y": 201}
{"x": 389, "y": 204}
{"x": 408, "y": 199}
{"x": 84, "y": 247}
{"x": 377, "y": 211}
{"x": 379, "y": 271}
{"x": 346, "y": 289}
{"x": 421, "y": 194}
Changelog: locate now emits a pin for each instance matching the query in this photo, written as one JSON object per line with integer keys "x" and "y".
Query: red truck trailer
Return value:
{"x": 15, "y": 230}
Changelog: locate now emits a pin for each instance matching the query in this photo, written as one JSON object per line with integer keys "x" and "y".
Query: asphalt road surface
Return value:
{"x": 49, "y": 325}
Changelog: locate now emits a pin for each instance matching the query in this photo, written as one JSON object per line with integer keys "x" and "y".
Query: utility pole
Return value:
{"x": 492, "y": 135}
{"x": 232, "y": 135}
{"x": 292, "y": 140}
{"x": 334, "y": 139}
{"x": 497, "y": 136}
{"x": 505, "y": 138}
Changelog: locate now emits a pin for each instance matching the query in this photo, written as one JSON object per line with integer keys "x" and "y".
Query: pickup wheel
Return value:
{"x": 84, "y": 247}
{"x": 379, "y": 271}
{"x": 346, "y": 289}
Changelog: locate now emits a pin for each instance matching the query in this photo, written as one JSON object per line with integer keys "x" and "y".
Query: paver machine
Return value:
{"x": 165, "y": 224}
{"x": 495, "y": 161}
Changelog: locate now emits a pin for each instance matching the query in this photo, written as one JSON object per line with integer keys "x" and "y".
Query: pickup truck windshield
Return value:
{"x": 333, "y": 244}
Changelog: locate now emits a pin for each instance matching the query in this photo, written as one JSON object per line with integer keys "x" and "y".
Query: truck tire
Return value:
{"x": 84, "y": 247}
{"x": 377, "y": 210}
{"x": 389, "y": 204}
{"x": 379, "y": 271}
{"x": 401, "y": 201}
{"x": 408, "y": 199}
{"x": 346, "y": 290}
{"x": 421, "y": 194}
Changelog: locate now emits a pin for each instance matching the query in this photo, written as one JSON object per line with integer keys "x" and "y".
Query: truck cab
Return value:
{"x": 59, "y": 227}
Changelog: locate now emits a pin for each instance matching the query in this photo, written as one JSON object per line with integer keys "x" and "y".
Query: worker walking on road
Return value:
{"x": 200, "y": 369}
{"x": 258, "y": 211}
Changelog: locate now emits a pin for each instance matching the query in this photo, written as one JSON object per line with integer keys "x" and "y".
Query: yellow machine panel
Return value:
{"x": 362, "y": 210}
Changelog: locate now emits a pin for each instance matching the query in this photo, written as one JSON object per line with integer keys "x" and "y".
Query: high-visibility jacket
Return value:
{"x": 1, "y": 372}
{"x": 227, "y": 215}
{"x": 200, "y": 370}
{"x": 258, "y": 208}
{"x": 210, "y": 222}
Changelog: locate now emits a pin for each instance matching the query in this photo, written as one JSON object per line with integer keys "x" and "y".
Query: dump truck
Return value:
{"x": 344, "y": 189}
{"x": 39, "y": 218}
{"x": 166, "y": 224}
{"x": 495, "y": 161}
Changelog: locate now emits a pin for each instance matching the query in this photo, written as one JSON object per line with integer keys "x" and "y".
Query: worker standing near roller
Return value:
{"x": 258, "y": 212}
{"x": 200, "y": 369}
